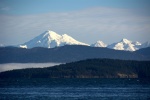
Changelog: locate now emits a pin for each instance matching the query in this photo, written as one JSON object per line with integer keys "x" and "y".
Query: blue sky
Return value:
{"x": 20, "y": 7}
{"x": 106, "y": 20}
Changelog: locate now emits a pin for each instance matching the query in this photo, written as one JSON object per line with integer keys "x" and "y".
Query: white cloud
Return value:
{"x": 88, "y": 25}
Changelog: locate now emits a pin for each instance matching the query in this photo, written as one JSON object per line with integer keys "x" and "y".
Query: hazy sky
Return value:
{"x": 84, "y": 20}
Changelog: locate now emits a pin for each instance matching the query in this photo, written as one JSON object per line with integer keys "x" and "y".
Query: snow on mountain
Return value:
{"x": 146, "y": 44}
{"x": 125, "y": 44}
{"x": 99, "y": 44}
{"x": 50, "y": 39}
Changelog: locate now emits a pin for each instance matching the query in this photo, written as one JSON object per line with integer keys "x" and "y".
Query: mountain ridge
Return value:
{"x": 63, "y": 54}
{"x": 50, "y": 39}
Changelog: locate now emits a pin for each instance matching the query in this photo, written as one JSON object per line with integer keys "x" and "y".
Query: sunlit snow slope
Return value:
{"x": 50, "y": 39}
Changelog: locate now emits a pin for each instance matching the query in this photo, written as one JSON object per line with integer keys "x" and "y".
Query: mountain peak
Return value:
{"x": 125, "y": 44}
{"x": 51, "y": 34}
{"x": 126, "y": 41}
{"x": 99, "y": 44}
{"x": 50, "y": 39}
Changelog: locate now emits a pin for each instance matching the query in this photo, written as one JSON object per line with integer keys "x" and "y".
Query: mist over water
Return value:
{"x": 11, "y": 66}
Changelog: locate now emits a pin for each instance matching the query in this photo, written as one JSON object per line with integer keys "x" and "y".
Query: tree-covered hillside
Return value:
{"x": 92, "y": 68}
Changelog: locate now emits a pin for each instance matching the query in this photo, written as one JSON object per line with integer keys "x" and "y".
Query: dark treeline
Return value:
{"x": 92, "y": 68}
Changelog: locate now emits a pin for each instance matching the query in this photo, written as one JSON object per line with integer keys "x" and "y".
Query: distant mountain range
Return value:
{"x": 50, "y": 39}
{"x": 67, "y": 53}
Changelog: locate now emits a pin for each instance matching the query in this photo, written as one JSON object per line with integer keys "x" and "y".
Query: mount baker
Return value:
{"x": 50, "y": 39}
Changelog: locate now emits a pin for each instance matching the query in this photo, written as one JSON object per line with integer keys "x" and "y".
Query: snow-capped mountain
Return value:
{"x": 125, "y": 44}
{"x": 50, "y": 39}
{"x": 99, "y": 44}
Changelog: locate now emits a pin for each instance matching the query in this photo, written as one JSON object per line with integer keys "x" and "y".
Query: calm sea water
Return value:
{"x": 75, "y": 89}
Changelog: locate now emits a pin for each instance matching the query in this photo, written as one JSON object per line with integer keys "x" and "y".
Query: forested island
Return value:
{"x": 91, "y": 68}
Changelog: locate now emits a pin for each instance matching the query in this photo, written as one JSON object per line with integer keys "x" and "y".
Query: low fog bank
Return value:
{"x": 11, "y": 66}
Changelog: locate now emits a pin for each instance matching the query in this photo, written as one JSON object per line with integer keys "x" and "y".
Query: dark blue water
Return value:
{"x": 75, "y": 89}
